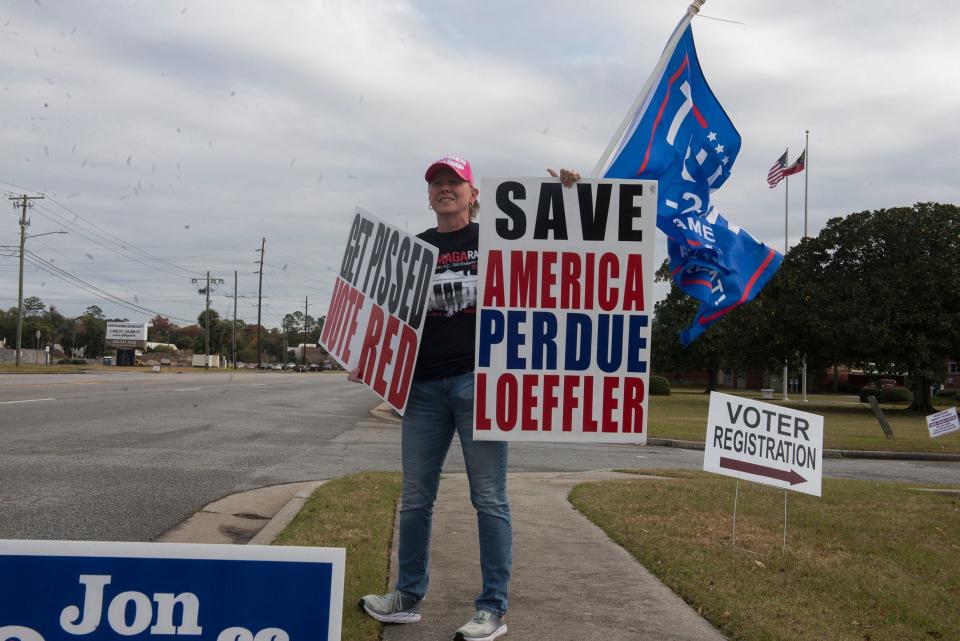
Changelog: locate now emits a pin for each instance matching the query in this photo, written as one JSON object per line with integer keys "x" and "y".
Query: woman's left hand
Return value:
{"x": 566, "y": 176}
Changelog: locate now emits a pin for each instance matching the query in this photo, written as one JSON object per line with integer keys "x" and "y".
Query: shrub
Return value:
{"x": 895, "y": 395}
{"x": 869, "y": 390}
{"x": 947, "y": 393}
{"x": 659, "y": 386}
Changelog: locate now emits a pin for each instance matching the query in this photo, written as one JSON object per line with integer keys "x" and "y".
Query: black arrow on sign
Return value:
{"x": 762, "y": 470}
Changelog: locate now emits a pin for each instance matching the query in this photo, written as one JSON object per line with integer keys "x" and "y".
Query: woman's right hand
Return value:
{"x": 567, "y": 176}
{"x": 354, "y": 375}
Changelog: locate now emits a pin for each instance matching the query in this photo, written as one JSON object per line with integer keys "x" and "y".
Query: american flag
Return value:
{"x": 775, "y": 175}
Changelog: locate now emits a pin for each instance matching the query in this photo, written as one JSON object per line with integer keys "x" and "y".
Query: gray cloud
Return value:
{"x": 212, "y": 105}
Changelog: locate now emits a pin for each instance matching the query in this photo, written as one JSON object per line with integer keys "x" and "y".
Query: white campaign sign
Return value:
{"x": 376, "y": 314}
{"x": 943, "y": 422}
{"x": 564, "y": 308}
{"x": 764, "y": 443}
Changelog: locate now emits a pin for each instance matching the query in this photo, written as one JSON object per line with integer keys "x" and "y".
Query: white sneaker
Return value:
{"x": 484, "y": 626}
{"x": 392, "y": 607}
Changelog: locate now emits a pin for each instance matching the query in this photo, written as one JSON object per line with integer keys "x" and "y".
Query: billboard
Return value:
{"x": 125, "y": 335}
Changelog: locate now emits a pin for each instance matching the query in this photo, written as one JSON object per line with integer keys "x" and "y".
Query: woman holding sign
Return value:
{"x": 441, "y": 404}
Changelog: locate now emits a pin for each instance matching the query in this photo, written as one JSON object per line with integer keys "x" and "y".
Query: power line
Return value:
{"x": 66, "y": 276}
{"x": 102, "y": 242}
{"x": 122, "y": 241}
{"x": 104, "y": 233}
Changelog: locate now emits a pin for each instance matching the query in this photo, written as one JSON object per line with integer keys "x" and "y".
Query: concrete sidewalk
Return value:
{"x": 570, "y": 581}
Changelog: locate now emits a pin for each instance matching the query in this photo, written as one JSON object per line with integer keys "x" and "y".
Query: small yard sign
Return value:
{"x": 764, "y": 443}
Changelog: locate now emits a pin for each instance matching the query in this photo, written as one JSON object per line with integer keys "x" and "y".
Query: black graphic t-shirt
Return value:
{"x": 449, "y": 331}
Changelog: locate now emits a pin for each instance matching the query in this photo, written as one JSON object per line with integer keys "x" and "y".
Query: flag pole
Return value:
{"x": 786, "y": 247}
{"x": 806, "y": 179}
{"x": 806, "y": 185}
{"x": 692, "y": 10}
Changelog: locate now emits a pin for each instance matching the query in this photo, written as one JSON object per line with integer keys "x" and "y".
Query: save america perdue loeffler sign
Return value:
{"x": 564, "y": 307}
{"x": 764, "y": 443}
{"x": 105, "y": 591}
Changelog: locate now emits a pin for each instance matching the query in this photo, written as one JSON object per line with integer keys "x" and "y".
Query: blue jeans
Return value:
{"x": 435, "y": 410}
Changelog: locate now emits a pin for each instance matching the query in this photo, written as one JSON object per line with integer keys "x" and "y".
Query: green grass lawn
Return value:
{"x": 866, "y": 562}
{"x": 355, "y": 512}
{"x": 847, "y": 423}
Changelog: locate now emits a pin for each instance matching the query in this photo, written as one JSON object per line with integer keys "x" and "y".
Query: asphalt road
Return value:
{"x": 129, "y": 455}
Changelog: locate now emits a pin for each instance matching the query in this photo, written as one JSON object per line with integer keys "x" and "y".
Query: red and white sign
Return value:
{"x": 764, "y": 443}
{"x": 564, "y": 310}
{"x": 375, "y": 317}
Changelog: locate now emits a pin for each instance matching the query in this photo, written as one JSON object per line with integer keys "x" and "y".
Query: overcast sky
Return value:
{"x": 170, "y": 137}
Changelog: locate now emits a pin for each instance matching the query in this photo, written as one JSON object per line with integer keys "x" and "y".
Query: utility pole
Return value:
{"x": 234, "y": 320}
{"x": 234, "y": 297}
{"x": 263, "y": 245}
{"x": 23, "y": 238}
{"x": 206, "y": 290}
{"x": 303, "y": 356}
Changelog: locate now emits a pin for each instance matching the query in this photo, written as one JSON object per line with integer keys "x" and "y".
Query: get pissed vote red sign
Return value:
{"x": 564, "y": 305}
{"x": 375, "y": 317}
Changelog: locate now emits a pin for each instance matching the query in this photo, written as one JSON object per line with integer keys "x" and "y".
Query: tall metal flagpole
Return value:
{"x": 643, "y": 96}
{"x": 806, "y": 184}
{"x": 786, "y": 247}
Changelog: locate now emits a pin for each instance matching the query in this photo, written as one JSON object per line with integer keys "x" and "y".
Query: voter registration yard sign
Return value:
{"x": 564, "y": 309}
{"x": 91, "y": 591}
{"x": 764, "y": 443}
{"x": 375, "y": 317}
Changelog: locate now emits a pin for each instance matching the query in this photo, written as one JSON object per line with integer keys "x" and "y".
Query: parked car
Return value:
{"x": 277, "y": 366}
{"x": 290, "y": 366}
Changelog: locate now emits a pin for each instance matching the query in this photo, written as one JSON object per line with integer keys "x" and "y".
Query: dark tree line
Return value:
{"x": 876, "y": 289}
{"x": 87, "y": 332}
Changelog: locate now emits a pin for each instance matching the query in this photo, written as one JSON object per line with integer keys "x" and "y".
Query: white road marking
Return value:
{"x": 188, "y": 389}
{"x": 258, "y": 385}
{"x": 29, "y": 400}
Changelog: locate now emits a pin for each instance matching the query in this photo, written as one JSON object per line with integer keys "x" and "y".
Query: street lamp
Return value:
{"x": 23, "y": 239}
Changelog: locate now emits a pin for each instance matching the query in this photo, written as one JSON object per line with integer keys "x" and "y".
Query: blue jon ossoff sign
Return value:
{"x": 53, "y": 590}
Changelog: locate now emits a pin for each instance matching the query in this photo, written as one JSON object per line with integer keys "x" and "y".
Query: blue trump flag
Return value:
{"x": 679, "y": 135}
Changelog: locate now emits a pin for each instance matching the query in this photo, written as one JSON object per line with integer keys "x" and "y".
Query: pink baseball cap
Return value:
{"x": 460, "y": 167}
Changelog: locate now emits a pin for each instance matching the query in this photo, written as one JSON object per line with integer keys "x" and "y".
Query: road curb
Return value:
{"x": 384, "y": 412}
{"x": 885, "y": 455}
{"x": 285, "y": 516}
